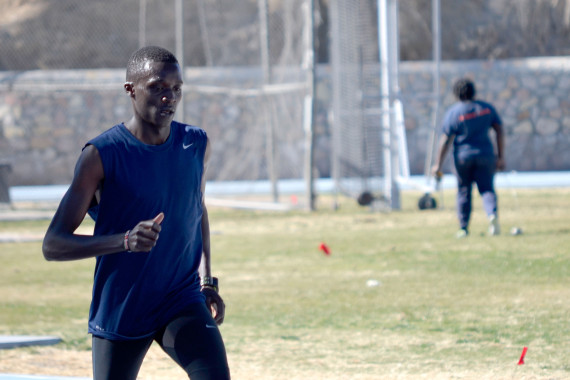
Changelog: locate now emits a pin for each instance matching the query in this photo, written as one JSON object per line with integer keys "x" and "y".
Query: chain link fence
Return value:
{"x": 357, "y": 157}
{"x": 245, "y": 78}
{"x": 66, "y": 34}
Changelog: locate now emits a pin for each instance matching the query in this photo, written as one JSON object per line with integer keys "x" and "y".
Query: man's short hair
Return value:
{"x": 464, "y": 89}
{"x": 135, "y": 66}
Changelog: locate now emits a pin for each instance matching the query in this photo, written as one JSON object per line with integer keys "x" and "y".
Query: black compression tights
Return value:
{"x": 191, "y": 339}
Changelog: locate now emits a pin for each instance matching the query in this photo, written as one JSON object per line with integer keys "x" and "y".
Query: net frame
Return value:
{"x": 358, "y": 163}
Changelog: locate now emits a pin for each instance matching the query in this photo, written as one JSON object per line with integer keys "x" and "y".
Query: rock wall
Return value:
{"x": 47, "y": 116}
{"x": 531, "y": 96}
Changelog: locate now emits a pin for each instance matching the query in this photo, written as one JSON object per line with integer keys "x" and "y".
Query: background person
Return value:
{"x": 143, "y": 181}
{"x": 466, "y": 125}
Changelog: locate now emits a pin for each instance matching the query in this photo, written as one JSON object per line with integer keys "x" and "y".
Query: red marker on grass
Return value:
{"x": 521, "y": 360}
{"x": 323, "y": 247}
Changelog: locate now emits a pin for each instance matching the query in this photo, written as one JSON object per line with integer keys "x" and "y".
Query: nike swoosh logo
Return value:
{"x": 210, "y": 326}
{"x": 187, "y": 146}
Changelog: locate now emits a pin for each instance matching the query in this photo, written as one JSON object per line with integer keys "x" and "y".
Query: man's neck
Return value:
{"x": 148, "y": 134}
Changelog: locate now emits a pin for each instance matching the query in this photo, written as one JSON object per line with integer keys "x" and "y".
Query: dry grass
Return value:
{"x": 443, "y": 308}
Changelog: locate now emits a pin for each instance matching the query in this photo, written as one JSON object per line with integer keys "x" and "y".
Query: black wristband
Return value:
{"x": 209, "y": 282}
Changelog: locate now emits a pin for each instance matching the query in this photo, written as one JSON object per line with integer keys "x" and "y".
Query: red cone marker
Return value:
{"x": 323, "y": 247}
{"x": 521, "y": 360}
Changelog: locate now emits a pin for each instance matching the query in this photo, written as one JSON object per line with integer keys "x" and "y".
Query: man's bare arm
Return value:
{"x": 444, "y": 145}
{"x": 499, "y": 135}
{"x": 61, "y": 243}
{"x": 205, "y": 264}
{"x": 213, "y": 300}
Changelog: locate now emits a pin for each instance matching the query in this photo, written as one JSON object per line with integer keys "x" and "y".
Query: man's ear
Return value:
{"x": 129, "y": 88}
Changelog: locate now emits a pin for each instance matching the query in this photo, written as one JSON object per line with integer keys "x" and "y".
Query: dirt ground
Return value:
{"x": 58, "y": 362}
{"x": 51, "y": 361}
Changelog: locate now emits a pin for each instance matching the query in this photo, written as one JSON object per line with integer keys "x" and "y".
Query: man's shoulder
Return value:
{"x": 185, "y": 129}
{"x": 109, "y": 133}
{"x": 484, "y": 104}
{"x": 105, "y": 138}
{"x": 455, "y": 108}
{"x": 453, "y": 111}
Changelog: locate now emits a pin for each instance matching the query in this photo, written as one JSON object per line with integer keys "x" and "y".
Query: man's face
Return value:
{"x": 157, "y": 92}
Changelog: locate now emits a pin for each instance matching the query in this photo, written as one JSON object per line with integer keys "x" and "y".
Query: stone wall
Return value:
{"x": 531, "y": 96}
{"x": 47, "y": 116}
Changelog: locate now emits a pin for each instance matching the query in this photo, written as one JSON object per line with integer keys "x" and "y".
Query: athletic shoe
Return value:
{"x": 462, "y": 233}
{"x": 494, "y": 228}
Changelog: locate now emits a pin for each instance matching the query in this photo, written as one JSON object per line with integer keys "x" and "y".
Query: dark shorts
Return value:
{"x": 192, "y": 339}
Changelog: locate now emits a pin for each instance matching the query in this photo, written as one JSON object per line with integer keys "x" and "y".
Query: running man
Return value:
{"x": 466, "y": 125}
{"x": 143, "y": 182}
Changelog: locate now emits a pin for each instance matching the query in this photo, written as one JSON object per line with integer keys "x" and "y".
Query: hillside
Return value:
{"x": 50, "y": 34}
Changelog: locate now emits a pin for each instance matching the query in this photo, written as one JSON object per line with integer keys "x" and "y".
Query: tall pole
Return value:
{"x": 266, "y": 67}
{"x": 337, "y": 89}
{"x": 386, "y": 11}
{"x": 394, "y": 57}
{"x": 436, "y": 56}
{"x": 310, "y": 101}
{"x": 142, "y": 23}
{"x": 179, "y": 7}
{"x": 202, "y": 16}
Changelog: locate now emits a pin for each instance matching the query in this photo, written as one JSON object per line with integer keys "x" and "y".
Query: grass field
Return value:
{"x": 442, "y": 308}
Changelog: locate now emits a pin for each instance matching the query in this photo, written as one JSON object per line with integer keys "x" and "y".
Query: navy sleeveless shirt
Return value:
{"x": 136, "y": 293}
